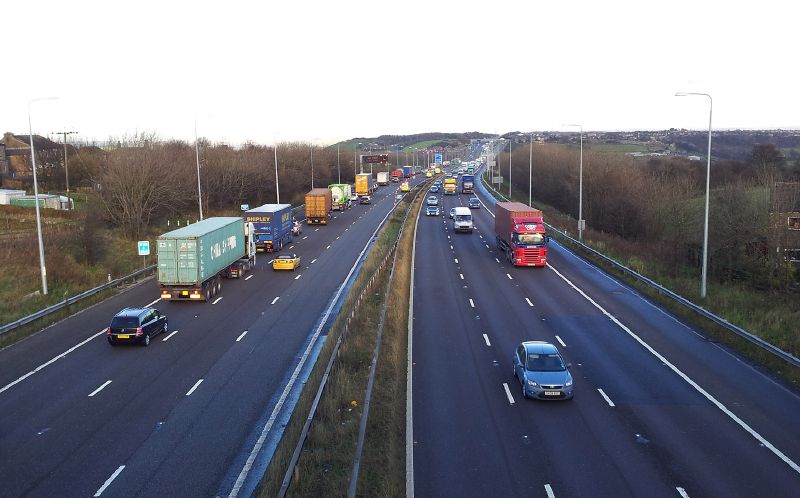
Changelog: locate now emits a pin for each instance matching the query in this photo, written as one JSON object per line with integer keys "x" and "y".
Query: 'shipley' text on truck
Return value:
{"x": 318, "y": 206}
{"x": 520, "y": 234}
{"x": 272, "y": 226}
{"x": 193, "y": 260}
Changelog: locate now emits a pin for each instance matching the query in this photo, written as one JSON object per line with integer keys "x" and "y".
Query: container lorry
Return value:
{"x": 520, "y": 234}
{"x": 397, "y": 175}
{"x": 408, "y": 171}
{"x": 364, "y": 184}
{"x": 449, "y": 186}
{"x": 467, "y": 183}
{"x": 193, "y": 260}
{"x": 383, "y": 178}
{"x": 272, "y": 226}
{"x": 341, "y": 194}
{"x": 319, "y": 204}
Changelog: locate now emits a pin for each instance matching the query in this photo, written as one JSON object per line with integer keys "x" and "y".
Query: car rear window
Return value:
{"x": 124, "y": 322}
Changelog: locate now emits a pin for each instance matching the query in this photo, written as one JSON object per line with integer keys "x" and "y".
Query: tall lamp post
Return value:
{"x": 581, "y": 222}
{"x": 510, "y": 145}
{"x": 42, "y": 268}
{"x": 197, "y": 157}
{"x": 312, "y": 165}
{"x": 338, "y": 166}
{"x": 530, "y": 175}
{"x": 708, "y": 191}
{"x": 277, "y": 187}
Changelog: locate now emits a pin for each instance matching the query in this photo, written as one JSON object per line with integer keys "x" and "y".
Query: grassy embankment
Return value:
{"x": 769, "y": 315}
{"x": 326, "y": 461}
{"x": 78, "y": 256}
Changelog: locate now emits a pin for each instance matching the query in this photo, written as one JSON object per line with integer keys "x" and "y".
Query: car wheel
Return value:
{"x": 146, "y": 340}
{"x": 111, "y": 341}
{"x": 166, "y": 326}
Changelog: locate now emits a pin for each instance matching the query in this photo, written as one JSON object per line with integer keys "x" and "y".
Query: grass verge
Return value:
{"x": 327, "y": 457}
{"x": 767, "y": 315}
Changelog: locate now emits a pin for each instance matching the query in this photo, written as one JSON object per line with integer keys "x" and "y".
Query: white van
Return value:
{"x": 462, "y": 219}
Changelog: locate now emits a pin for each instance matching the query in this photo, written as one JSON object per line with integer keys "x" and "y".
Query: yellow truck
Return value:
{"x": 450, "y": 186}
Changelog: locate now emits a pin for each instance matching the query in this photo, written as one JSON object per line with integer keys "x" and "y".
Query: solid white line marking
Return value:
{"x": 682, "y": 492}
{"x": 461, "y": 275}
{"x": 50, "y": 362}
{"x": 275, "y": 300}
{"x": 497, "y": 260}
{"x": 241, "y": 336}
{"x": 304, "y": 238}
{"x": 486, "y": 338}
{"x": 605, "y": 396}
{"x": 194, "y": 387}
{"x": 109, "y": 481}
{"x": 529, "y": 302}
{"x": 167, "y": 338}
{"x": 560, "y": 341}
{"x": 298, "y": 276}
{"x": 471, "y": 303}
{"x": 313, "y": 261}
{"x": 686, "y": 378}
{"x": 328, "y": 247}
{"x": 217, "y": 300}
{"x": 509, "y": 276}
{"x": 456, "y": 260}
{"x": 154, "y": 302}
{"x": 99, "y": 388}
{"x": 508, "y": 393}
{"x": 248, "y": 277}
{"x": 549, "y": 491}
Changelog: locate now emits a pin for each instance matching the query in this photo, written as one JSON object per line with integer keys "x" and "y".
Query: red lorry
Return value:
{"x": 397, "y": 175}
{"x": 520, "y": 234}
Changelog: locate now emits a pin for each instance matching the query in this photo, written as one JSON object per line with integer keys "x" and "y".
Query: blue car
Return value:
{"x": 541, "y": 371}
{"x": 435, "y": 188}
{"x": 474, "y": 203}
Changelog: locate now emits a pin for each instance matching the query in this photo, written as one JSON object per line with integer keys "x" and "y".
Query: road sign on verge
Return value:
{"x": 497, "y": 179}
{"x": 437, "y": 158}
{"x": 144, "y": 248}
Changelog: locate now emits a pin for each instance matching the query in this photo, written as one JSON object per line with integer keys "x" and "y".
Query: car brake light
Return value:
{"x": 139, "y": 331}
{"x": 108, "y": 330}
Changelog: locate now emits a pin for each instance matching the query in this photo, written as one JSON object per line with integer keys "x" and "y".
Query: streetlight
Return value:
{"x": 581, "y": 222}
{"x": 338, "y": 167}
{"x": 708, "y": 191}
{"x": 530, "y": 175}
{"x": 312, "y": 165}
{"x": 42, "y": 268}
{"x": 355, "y": 160}
{"x": 277, "y": 187}
{"x": 197, "y": 157}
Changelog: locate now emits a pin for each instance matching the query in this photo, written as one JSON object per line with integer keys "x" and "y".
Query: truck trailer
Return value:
{"x": 520, "y": 234}
{"x": 383, "y": 178}
{"x": 397, "y": 175}
{"x": 449, "y": 186}
{"x": 467, "y": 183}
{"x": 341, "y": 194}
{"x": 272, "y": 226}
{"x": 364, "y": 184}
{"x": 193, "y": 260}
{"x": 318, "y": 206}
{"x": 408, "y": 171}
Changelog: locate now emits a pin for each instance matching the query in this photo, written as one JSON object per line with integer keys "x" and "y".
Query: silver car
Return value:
{"x": 541, "y": 371}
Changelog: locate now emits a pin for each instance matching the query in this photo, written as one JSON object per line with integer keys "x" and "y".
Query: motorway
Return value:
{"x": 181, "y": 417}
{"x": 659, "y": 409}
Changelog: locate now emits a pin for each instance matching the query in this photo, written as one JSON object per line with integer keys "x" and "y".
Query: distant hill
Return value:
{"x": 419, "y": 140}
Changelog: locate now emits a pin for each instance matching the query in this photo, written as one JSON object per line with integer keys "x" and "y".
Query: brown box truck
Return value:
{"x": 520, "y": 234}
{"x": 319, "y": 203}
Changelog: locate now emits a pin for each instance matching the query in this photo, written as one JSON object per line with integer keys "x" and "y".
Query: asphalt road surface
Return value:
{"x": 659, "y": 410}
{"x": 178, "y": 418}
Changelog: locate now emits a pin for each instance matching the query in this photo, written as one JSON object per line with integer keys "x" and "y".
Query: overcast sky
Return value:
{"x": 331, "y": 70}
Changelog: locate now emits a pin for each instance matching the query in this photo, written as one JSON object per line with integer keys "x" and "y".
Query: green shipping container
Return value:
{"x": 192, "y": 254}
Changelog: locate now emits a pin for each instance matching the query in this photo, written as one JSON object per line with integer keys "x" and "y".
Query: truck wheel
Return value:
{"x": 219, "y": 286}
